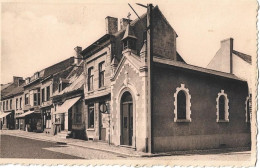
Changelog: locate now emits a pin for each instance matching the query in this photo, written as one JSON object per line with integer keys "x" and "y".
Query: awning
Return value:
{"x": 25, "y": 114}
{"x": 4, "y": 114}
{"x": 66, "y": 105}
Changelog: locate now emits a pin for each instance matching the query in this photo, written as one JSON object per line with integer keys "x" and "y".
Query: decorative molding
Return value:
{"x": 222, "y": 93}
{"x": 188, "y": 104}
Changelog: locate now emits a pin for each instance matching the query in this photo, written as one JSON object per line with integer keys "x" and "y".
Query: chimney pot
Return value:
{"x": 78, "y": 49}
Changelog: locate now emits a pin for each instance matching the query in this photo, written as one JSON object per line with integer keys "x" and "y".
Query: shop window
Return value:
{"x": 222, "y": 107}
{"x": 26, "y": 98}
{"x": 91, "y": 119}
{"x": 77, "y": 114}
{"x": 101, "y": 68}
{"x": 90, "y": 78}
{"x": 48, "y": 93}
{"x": 182, "y": 105}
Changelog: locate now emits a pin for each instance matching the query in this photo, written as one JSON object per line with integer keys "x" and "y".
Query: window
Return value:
{"x": 248, "y": 108}
{"x": 77, "y": 114}
{"x": 11, "y": 103}
{"x": 36, "y": 97}
{"x": 36, "y": 75}
{"x": 6, "y": 104}
{"x": 90, "y": 79}
{"x": 21, "y": 102}
{"x": 91, "y": 121}
{"x": 222, "y": 107}
{"x": 35, "y": 101}
{"x": 27, "y": 80}
{"x": 16, "y": 103}
{"x": 48, "y": 93}
{"x": 60, "y": 87}
{"x": 0, "y": 106}
{"x": 26, "y": 98}
{"x": 3, "y": 105}
{"x": 43, "y": 95}
{"x": 182, "y": 105}
{"x": 101, "y": 68}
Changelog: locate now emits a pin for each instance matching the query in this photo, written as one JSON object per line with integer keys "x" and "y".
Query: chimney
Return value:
{"x": 78, "y": 55}
{"x": 111, "y": 25}
{"x": 124, "y": 22}
{"x": 227, "y": 48}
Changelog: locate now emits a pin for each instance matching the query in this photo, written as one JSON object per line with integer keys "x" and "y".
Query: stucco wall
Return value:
{"x": 133, "y": 82}
{"x": 203, "y": 131}
{"x": 222, "y": 59}
{"x": 243, "y": 70}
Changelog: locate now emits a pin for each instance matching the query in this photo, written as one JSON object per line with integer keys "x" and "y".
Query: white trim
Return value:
{"x": 222, "y": 93}
{"x": 188, "y": 104}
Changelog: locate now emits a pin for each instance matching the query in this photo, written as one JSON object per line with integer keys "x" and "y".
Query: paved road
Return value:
{"x": 17, "y": 147}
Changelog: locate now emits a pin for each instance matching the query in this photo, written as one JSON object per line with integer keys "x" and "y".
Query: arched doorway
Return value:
{"x": 126, "y": 119}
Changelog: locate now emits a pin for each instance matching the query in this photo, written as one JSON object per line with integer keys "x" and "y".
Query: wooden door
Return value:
{"x": 127, "y": 119}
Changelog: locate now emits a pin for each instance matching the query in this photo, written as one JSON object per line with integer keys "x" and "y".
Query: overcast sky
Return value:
{"x": 37, "y": 35}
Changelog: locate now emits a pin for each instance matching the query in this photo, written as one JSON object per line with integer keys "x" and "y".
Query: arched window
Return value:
{"x": 222, "y": 107}
{"x": 181, "y": 105}
{"x": 182, "y": 112}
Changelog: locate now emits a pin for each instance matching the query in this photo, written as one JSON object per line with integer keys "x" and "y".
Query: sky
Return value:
{"x": 35, "y": 35}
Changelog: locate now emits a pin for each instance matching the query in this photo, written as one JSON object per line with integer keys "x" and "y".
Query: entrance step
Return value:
{"x": 64, "y": 134}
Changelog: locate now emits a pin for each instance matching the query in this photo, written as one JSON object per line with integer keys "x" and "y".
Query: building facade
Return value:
{"x": 131, "y": 88}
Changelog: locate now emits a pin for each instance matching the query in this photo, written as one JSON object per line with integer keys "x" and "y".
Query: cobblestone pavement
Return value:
{"x": 95, "y": 150}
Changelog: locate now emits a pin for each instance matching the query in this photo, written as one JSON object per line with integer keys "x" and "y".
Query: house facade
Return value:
{"x": 10, "y": 107}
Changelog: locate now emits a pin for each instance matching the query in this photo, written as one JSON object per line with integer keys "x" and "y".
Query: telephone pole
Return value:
{"x": 150, "y": 75}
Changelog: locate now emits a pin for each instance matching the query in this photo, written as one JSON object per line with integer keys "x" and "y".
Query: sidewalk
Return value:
{"x": 101, "y": 146}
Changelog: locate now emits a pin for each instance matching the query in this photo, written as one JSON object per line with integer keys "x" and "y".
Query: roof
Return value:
{"x": 15, "y": 91}
{"x": 8, "y": 89}
{"x": 53, "y": 69}
{"x": 196, "y": 68}
{"x": 75, "y": 79}
{"x": 129, "y": 32}
{"x": 245, "y": 57}
{"x": 95, "y": 44}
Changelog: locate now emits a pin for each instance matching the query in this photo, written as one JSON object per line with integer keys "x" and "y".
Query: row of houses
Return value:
{"x": 132, "y": 88}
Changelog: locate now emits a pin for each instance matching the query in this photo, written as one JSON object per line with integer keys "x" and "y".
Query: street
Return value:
{"x": 19, "y": 147}
{"x": 16, "y": 147}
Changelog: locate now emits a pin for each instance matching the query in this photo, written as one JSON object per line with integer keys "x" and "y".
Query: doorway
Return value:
{"x": 126, "y": 119}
